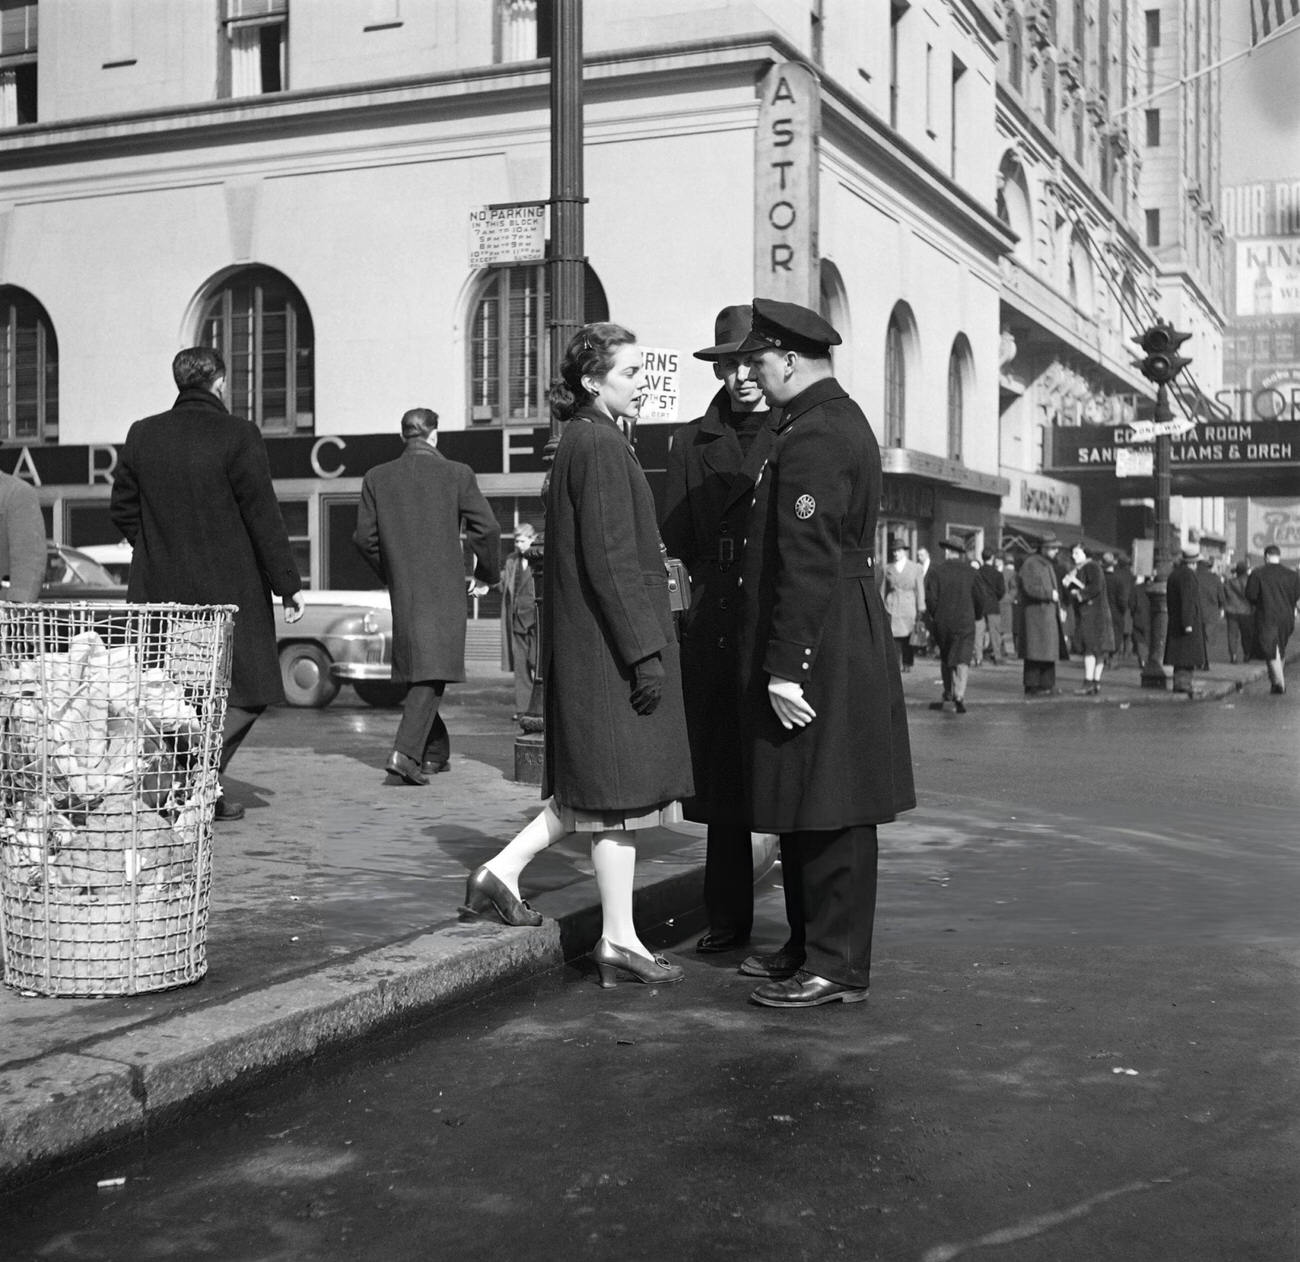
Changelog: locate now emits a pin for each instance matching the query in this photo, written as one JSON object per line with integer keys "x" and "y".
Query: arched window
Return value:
{"x": 833, "y": 303}
{"x": 29, "y": 369}
{"x": 895, "y": 384}
{"x": 1015, "y": 52}
{"x": 1013, "y": 205}
{"x": 259, "y": 322}
{"x": 509, "y": 367}
{"x": 1081, "y": 284}
{"x": 960, "y": 363}
{"x": 1049, "y": 96}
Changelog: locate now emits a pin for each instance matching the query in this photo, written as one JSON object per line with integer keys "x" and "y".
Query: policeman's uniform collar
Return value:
{"x": 821, "y": 391}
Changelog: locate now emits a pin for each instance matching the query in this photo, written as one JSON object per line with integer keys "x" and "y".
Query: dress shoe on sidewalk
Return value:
{"x": 228, "y": 810}
{"x": 488, "y": 896}
{"x": 714, "y": 943}
{"x": 405, "y": 768}
{"x": 776, "y": 965}
{"x": 433, "y": 766}
{"x": 806, "y": 990}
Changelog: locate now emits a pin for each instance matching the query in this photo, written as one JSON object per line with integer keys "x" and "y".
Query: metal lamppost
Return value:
{"x": 565, "y": 282}
{"x": 1161, "y": 364}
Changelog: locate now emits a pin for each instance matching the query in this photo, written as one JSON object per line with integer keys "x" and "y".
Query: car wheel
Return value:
{"x": 380, "y": 692}
{"x": 305, "y": 671}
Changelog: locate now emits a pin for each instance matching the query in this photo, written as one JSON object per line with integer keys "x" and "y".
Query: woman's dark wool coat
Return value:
{"x": 604, "y": 608}
{"x": 812, "y": 612}
{"x": 192, "y": 495}
{"x": 408, "y": 529}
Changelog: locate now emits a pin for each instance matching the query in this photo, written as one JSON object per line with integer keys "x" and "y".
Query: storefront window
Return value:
{"x": 29, "y": 369}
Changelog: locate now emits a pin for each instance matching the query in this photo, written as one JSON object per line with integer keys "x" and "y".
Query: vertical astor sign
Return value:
{"x": 785, "y": 186}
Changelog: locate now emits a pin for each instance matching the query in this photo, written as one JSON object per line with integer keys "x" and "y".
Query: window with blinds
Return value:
{"x": 509, "y": 368}
{"x": 17, "y": 62}
{"x": 260, "y": 323}
{"x": 895, "y": 385}
{"x": 29, "y": 370}
{"x": 256, "y": 47}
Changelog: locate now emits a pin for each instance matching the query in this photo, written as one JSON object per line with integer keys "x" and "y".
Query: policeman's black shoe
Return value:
{"x": 1277, "y": 690}
{"x": 716, "y": 941}
{"x": 959, "y": 706}
{"x": 433, "y": 766}
{"x": 776, "y": 965}
{"x": 405, "y": 768}
{"x": 806, "y": 990}
{"x": 227, "y": 810}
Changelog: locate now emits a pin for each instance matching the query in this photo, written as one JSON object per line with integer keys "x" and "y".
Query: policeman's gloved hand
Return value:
{"x": 647, "y": 684}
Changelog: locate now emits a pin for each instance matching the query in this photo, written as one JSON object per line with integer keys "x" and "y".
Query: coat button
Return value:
{"x": 722, "y": 641}
{"x": 724, "y": 603}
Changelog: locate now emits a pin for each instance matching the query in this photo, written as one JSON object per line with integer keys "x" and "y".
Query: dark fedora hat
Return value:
{"x": 1048, "y": 540}
{"x": 729, "y": 329}
{"x": 953, "y": 544}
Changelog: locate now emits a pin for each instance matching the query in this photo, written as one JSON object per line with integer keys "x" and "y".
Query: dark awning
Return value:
{"x": 1028, "y": 531}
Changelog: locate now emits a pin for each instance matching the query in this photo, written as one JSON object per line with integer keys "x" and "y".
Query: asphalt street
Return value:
{"x": 1081, "y": 1044}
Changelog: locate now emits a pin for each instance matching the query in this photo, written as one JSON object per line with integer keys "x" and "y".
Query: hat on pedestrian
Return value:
{"x": 786, "y": 326}
{"x": 953, "y": 544}
{"x": 1048, "y": 540}
{"x": 895, "y": 544}
{"x": 1108, "y": 558}
{"x": 1191, "y": 549}
{"x": 525, "y": 530}
{"x": 730, "y": 328}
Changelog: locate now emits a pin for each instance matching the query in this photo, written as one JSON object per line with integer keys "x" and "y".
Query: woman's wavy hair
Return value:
{"x": 590, "y": 353}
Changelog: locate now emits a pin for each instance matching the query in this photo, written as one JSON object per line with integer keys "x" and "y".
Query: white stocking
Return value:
{"x": 613, "y": 855}
{"x": 545, "y": 830}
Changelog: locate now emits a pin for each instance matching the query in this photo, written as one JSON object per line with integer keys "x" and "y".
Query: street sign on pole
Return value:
{"x": 513, "y": 233}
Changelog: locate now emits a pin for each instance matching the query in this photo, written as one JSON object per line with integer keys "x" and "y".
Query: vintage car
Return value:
{"x": 342, "y": 637}
{"x": 71, "y": 574}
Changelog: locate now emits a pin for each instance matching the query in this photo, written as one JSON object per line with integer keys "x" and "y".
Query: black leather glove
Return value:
{"x": 647, "y": 684}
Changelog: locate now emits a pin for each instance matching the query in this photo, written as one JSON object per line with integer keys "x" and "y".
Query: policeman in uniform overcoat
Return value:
{"x": 712, "y": 465}
{"x": 822, "y": 711}
{"x": 1185, "y": 638}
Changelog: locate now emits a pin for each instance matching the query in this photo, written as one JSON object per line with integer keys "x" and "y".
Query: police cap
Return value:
{"x": 786, "y": 326}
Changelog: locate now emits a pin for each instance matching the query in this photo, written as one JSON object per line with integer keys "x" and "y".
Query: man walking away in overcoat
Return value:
{"x": 822, "y": 711}
{"x": 712, "y": 464}
{"x": 1119, "y": 594}
{"x": 1273, "y": 591}
{"x": 995, "y": 588}
{"x": 1214, "y": 604}
{"x": 192, "y": 495}
{"x": 1041, "y": 618}
{"x": 519, "y": 616}
{"x": 952, "y": 595}
{"x": 1185, "y": 639}
{"x": 1240, "y": 613}
{"x": 22, "y": 539}
{"x": 408, "y": 529}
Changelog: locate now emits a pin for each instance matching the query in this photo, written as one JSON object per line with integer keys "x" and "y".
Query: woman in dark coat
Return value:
{"x": 1094, "y": 630}
{"x": 617, "y": 757}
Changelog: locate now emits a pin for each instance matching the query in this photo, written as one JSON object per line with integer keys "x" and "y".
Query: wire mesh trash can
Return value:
{"x": 110, "y": 734}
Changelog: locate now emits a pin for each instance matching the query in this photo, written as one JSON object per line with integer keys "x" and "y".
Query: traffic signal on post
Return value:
{"x": 1162, "y": 362}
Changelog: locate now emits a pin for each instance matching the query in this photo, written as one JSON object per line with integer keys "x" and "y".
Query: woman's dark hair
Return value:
{"x": 590, "y": 353}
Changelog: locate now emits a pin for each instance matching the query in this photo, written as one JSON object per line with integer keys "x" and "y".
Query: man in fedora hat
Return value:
{"x": 1041, "y": 618}
{"x": 823, "y": 718}
{"x": 1185, "y": 638}
{"x": 712, "y": 464}
{"x": 519, "y": 615}
{"x": 952, "y": 605}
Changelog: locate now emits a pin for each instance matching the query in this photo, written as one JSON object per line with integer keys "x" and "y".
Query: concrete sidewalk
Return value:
{"x": 334, "y": 916}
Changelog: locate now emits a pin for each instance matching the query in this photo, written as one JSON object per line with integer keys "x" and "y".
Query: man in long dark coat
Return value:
{"x": 1040, "y": 619}
{"x": 952, "y": 596}
{"x": 823, "y": 716}
{"x": 1119, "y": 595}
{"x": 408, "y": 529}
{"x": 519, "y": 615}
{"x": 192, "y": 495}
{"x": 1273, "y": 591}
{"x": 1185, "y": 638}
{"x": 712, "y": 465}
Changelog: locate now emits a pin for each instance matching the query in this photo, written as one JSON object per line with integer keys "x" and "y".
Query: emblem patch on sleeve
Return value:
{"x": 804, "y": 507}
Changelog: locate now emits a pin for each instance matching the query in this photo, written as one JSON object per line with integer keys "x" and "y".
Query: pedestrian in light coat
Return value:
{"x": 823, "y": 715}
{"x": 903, "y": 588}
{"x": 712, "y": 464}
{"x": 1094, "y": 632}
{"x": 22, "y": 539}
{"x": 192, "y": 495}
{"x": 409, "y": 526}
{"x": 952, "y": 607}
{"x": 519, "y": 615}
{"x": 1185, "y": 638}
{"x": 616, "y": 747}
{"x": 1273, "y": 591}
{"x": 1040, "y": 617}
